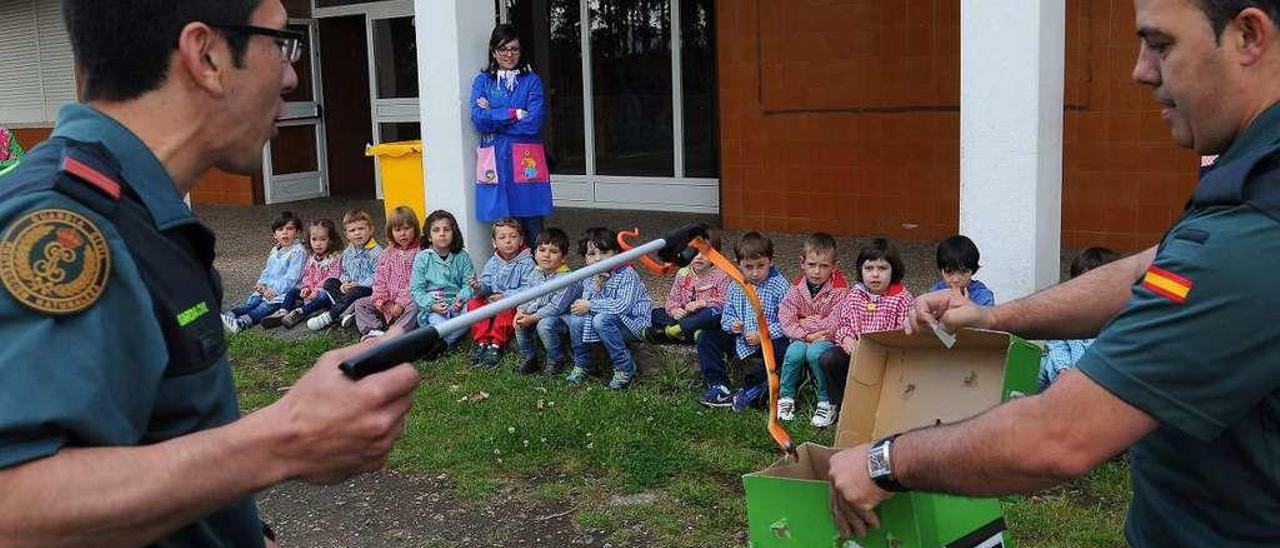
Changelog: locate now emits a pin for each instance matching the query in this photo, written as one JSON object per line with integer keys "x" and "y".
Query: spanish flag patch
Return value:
{"x": 1167, "y": 284}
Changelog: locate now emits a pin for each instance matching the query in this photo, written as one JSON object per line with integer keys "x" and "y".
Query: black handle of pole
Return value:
{"x": 422, "y": 342}
{"x": 677, "y": 250}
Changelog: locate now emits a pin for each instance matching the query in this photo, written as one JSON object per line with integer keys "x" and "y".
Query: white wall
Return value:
{"x": 1012, "y": 63}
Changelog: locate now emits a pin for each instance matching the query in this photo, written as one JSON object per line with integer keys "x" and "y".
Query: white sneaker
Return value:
{"x": 825, "y": 415}
{"x": 320, "y": 322}
{"x": 786, "y": 409}
{"x": 348, "y": 320}
{"x": 229, "y": 322}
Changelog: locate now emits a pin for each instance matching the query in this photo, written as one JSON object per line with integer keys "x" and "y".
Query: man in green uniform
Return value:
{"x": 1186, "y": 371}
{"x": 119, "y": 424}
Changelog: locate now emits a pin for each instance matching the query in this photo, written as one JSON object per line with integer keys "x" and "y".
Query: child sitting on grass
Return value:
{"x": 739, "y": 329}
{"x": 614, "y": 309}
{"x": 325, "y": 262}
{"x": 542, "y": 318}
{"x": 280, "y": 276}
{"x": 694, "y": 303}
{"x": 503, "y": 274}
{"x": 1059, "y": 356}
{"x": 804, "y": 314}
{"x": 390, "y": 303}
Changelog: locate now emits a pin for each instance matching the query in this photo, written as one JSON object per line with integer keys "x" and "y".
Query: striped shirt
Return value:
{"x": 504, "y": 276}
{"x": 862, "y": 311}
{"x": 709, "y": 287}
{"x": 623, "y": 294}
{"x": 318, "y": 270}
{"x": 799, "y": 304}
{"x": 283, "y": 270}
{"x": 737, "y": 308}
{"x": 391, "y": 276}
{"x": 359, "y": 263}
{"x": 553, "y": 304}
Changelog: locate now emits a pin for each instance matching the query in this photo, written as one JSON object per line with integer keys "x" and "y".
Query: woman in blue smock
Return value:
{"x": 507, "y": 108}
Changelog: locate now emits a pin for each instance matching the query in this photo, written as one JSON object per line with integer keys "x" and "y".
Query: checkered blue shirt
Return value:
{"x": 622, "y": 294}
{"x": 738, "y": 309}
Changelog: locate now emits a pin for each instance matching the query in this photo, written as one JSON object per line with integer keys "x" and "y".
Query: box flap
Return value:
{"x": 898, "y": 382}
{"x": 813, "y": 464}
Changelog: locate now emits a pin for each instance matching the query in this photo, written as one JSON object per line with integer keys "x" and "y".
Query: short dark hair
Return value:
{"x": 123, "y": 47}
{"x": 403, "y": 216}
{"x": 1092, "y": 258}
{"x": 286, "y": 218}
{"x": 1221, "y": 12}
{"x": 820, "y": 243}
{"x": 601, "y": 238}
{"x": 502, "y": 34}
{"x": 555, "y": 237}
{"x": 958, "y": 253}
{"x": 753, "y": 245}
{"x": 882, "y": 249}
{"x": 456, "y": 244}
{"x": 336, "y": 243}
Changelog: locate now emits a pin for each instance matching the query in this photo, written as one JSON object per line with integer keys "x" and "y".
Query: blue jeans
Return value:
{"x": 614, "y": 335}
{"x": 801, "y": 355}
{"x": 707, "y": 318}
{"x": 714, "y": 344}
{"x": 551, "y": 331}
{"x": 256, "y": 308}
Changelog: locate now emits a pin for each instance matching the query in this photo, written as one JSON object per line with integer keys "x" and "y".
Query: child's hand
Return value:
{"x": 736, "y": 327}
{"x": 380, "y": 305}
{"x": 268, "y": 293}
{"x": 261, "y": 289}
{"x": 816, "y": 336}
{"x": 752, "y": 338}
{"x": 456, "y": 306}
{"x": 347, "y": 287}
{"x": 495, "y": 297}
{"x": 849, "y": 344}
{"x": 474, "y": 283}
{"x": 440, "y": 308}
{"x": 393, "y": 313}
{"x": 695, "y": 306}
{"x": 680, "y": 314}
{"x": 580, "y": 307}
{"x": 305, "y": 293}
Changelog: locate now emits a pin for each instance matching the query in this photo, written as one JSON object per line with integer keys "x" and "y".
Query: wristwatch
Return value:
{"x": 880, "y": 465}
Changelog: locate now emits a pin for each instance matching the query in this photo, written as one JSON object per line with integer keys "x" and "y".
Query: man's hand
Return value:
{"x": 815, "y": 336}
{"x": 580, "y": 307}
{"x": 854, "y": 496}
{"x": 753, "y": 338}
{"x": 950, "y": 308}
{"x": 482, "y": 102}
{"x": 680, "y": 314}
{"x": 338, "y": 428}
{"x": 736, "y": 327}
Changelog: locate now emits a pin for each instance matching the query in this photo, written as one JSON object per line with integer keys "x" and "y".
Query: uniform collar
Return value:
{"x": 372, "y": 243}
{"x": 140, "y": 168}
{"x": 1263, "y": 132}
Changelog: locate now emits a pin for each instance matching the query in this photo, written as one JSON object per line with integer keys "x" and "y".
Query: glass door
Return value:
{"x": 294, "y": 162}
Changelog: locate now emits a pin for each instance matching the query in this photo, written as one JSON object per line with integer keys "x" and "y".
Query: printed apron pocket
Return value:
{"x": 530, "y": 163}
{"x": 486, "y": 166}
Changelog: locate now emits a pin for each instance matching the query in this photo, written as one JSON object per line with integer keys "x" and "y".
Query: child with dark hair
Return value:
{"x": 1061, "y": 355}
{"x": 878, "y": 302}
{"x": 390, "y": 303}
{"x": 324, "y": 263}
{"x": 442, "y": 274}
{"x": 281, "y": 274}
{"x": 695, "y": 301}
{"x": 804, "y": 313}
{"x": 739, "y": 332}
{"x": 614, "y": 309}
{"x": 542, "y": 318}
{"x": 503, "y": 275}
{"x": 957, "y": 263}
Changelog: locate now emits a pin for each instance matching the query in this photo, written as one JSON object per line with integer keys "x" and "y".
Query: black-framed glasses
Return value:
{"x": 511, "y": 50}
{"x": 290, "y": 42}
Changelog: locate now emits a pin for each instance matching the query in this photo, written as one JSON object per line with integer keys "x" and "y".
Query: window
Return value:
{"x": 395, "y": 57}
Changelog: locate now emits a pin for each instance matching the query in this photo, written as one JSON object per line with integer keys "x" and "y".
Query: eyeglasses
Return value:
{"x": 509, "y": 50}
{"x": 290, "y": 42}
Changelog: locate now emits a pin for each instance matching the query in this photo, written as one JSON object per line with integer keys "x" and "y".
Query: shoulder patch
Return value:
{"x": 1167, "y": 284}
{"x": 55, "y": 261}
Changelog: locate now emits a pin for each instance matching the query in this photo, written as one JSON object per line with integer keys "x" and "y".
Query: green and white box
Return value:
{"x": 898, "y": 382}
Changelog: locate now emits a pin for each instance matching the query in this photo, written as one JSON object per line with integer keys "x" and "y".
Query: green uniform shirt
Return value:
{"x": 97, "y": 377}
{"x": 1198, "y": 348}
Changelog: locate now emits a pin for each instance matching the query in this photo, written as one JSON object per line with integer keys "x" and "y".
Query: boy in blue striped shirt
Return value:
{"x": 739, "y": 331}
{"x": 543, "y": 318}
{"x": 615, "y": 309}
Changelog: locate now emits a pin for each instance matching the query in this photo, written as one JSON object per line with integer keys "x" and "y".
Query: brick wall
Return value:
{"x": 844, "y": 116}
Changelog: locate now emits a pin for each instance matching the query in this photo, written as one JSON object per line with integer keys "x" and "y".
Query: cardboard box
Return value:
{"x": 898, "y": 382}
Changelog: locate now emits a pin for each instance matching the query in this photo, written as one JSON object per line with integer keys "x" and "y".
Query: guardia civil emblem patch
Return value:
{"x": 54, "y": 261}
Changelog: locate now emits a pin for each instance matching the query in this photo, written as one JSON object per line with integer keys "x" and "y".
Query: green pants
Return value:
{"x": 799, "y": 355}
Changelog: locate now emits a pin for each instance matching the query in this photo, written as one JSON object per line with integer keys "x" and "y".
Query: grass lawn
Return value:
{"x": 582, "y": 445}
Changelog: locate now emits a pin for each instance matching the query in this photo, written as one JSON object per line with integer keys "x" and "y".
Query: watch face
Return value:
{"x": 877, "y": 462}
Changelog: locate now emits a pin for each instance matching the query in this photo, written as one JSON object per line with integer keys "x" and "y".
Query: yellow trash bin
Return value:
{"x": 403, "y": 183}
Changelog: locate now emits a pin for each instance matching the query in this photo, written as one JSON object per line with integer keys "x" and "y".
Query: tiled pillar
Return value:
{"x": 1011, "y": 101}
{"x": 453, "y": 39}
